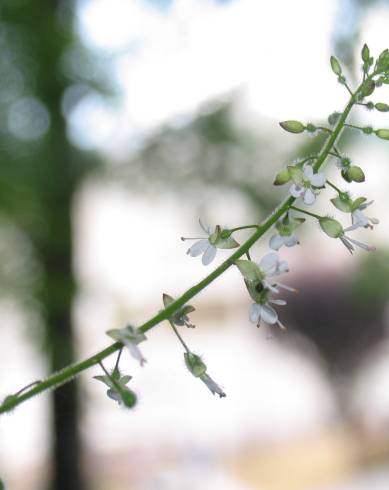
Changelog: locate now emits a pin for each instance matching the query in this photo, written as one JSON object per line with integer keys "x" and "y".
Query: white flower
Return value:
{"x": 278, "y": 240}
{"x": 212, "y": 385}
{"x": 207, "y": 246}
{"x": 359, "y": 219}
{"x": 304, "y": 181}
{"x": 350, "y": 242}
{"x": 112, "y": 391}
{"x": 271, "y": 266}
{"x": 130, "y": 337}
{"x": 265, "y": 313}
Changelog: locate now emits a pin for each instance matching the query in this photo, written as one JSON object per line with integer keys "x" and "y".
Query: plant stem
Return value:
{"x": 304, "y": 211}
{"x": 334, "y": 187}
{"x": 179, "y": 336}
{"x": 243, "y": 227}
{"x": 69, "y": 372}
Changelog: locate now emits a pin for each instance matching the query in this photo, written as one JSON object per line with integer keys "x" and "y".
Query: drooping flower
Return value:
{"x": 344, "y": 203}
{"x": 180, "y": 317}
{"x": 196, "y": 366}
{"x": 219, "y": 238}
{"x": 286, "y": 235}
{"x": 334, "y": 229}
{"x": 306, "y": 183}
{"x": 117, "y": 389}
{"x": 130, "y": 337}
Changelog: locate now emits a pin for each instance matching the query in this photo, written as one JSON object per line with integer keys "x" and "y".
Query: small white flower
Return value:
{"x": 130, "y": 337}
{"x": 265, "y": 313}
{"x": 278, "y": 240}
{"x": 212, "y": 385}
{"x": 207, "y": 246}
{"x": 304, "y": 182}
{"x": 350, "y": 242}
{"x": 360, "y": 220}
{"x": 112, "y": 391}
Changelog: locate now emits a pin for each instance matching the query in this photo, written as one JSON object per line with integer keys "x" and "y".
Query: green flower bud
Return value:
{"x": 382, "y": 107}
{"x": 311, "y": 128}
{"x": 128, "y": 398}
{"x": 292, "y": 126}
{"x": 336, "y": 68}
{"x": 370, "y": 106}
{"x": 356, "y": 174}
{"x": 344, "y": 174}
{"x": 382, "y": 133}
{"x": 195, "y": 364}
{"x": 331, "y": 227}
{"x": 367, "y": 88}
{"x": 365, "y": 53}
{"x": 334, "y": 118}
{"x": 367, "y": 130}
{"x": 282, "y": 177}
{"x": 296, "y": 174}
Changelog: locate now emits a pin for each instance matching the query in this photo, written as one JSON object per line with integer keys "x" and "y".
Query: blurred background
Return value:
{"x": 121, "y": 123}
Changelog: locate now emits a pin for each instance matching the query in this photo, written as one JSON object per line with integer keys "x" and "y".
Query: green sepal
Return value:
{"x": 128, "y": 397}
{"x": 282, "y": 177}
{"x": 382, "y": 133}
{"x": 129, "y": 333}
{"x": 331, "y": 227}
{"x": 335, "y": 65}
{"x": 382, "y": 107}
{"x": 226, "y": 243}
{"x": 357, "y": 203}
{"x": 344, "y": 174}
{"x": 185, "y": 310}
{"x": 296, "y": 174}
{"x": 342, "y": 204}
{"x": 167, "y": 299}
{"x": 249, "y": 270}
{"x": 195, "y": 364}
{"x": 292, "y": 126}
{"x": 257, "y": 291}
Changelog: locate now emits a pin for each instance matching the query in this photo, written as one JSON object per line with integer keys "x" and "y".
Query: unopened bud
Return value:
{"x": 292, "y": 126}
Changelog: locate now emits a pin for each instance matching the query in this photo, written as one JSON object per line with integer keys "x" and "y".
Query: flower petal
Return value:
{"x": 212, "y": 385}
{"x": 209, "y": 254}
{"x": 291, "y": 240}
{"x": 296, "y": 190}
{"x": 280, "y": 302}
{"x": 359, "y": 219}
{"x": 255, "y": 312}
{"x": 268, "y": 263}
{"x": 318, "y": 180}
{"x": 276, "y": 241}
{"x": 198, "y": 248}
{"x": 309, "y": 197}
{"x": 269, "y": 315}
{"x": 308, "y": 172}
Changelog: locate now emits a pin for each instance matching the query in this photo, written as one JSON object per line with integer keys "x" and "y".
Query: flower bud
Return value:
{"x": 292, "y": 126}
{"x": 333, "y": 118}
{"x": 195, "y": 364}
{"x": 367, "y": 130}
{"x": 282, "y": 177}
{"x": 382, "y": 133}
{"x": 335, "y": 66}
{"x": 128, "y": 398}
{"x": 382, "y": 107}
{"x": 311, "y": 128}
{"x": 365, "y": 53}
{"x": 331, "y": 227}
{"x": 367, "y": 88}
{"x": 356, "y": 174}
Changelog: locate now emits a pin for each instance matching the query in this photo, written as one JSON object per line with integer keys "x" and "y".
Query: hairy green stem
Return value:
{"x": 68, "y": 373}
